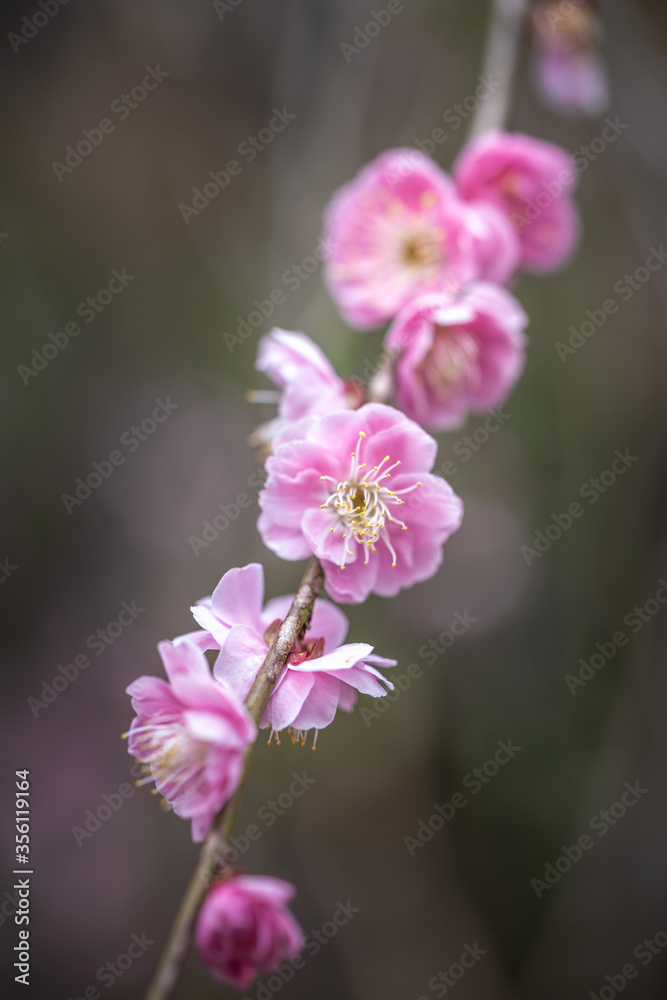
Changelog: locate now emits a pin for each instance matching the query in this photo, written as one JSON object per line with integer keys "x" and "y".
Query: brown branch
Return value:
{"x": 502, "y": 49}
{"x": 211, "y": 859}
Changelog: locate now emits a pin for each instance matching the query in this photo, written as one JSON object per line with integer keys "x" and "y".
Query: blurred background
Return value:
{"x": 219, "y": 71}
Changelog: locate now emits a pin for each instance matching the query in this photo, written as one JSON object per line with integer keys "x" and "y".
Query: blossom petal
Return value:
{"x": 319, "y": 708}
{"x": 240, "y": 659}
{"x": 364, "y": 681}
{"x": 201, "y": 638}
{"x": 213, "y": 728}
{"x": 238, "y": 598}
{"x": 287, "y": 699}
{"x": 151, "y": 695}
{"x": 183, "y": 661}
{"x": 338, "y": 659}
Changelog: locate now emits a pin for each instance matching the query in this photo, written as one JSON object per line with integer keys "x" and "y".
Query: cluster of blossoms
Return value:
{"x": 191, "y": 732}
{"x": 349, "y": 481}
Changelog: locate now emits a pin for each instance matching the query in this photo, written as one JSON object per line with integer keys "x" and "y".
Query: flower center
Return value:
{"x": 172, "y": 759}
{"x": 423, "y": 249}
{"x": 303, "y": 649}
{"x": 450, "y": 360}
{"x": 511, "y": 186}
{"x": 364, "y": 504}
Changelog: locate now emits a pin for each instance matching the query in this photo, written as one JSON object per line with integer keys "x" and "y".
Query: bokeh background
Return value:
{"x": 376, "y": 777}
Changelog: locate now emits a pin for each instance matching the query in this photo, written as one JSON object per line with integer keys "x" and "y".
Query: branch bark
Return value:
{"x": 502, "y": 49}
{"x": 210, "y": 862}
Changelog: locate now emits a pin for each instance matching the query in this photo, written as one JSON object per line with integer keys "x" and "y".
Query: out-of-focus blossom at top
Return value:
{"x": 569, "y": 71}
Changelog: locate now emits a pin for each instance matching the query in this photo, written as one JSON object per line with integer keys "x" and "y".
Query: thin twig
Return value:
{"x": 502, "y": 49}
{"x": 211, "y": 858}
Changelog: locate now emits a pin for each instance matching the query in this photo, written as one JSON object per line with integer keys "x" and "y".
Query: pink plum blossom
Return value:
{"x": 397, "y": 229}
{"x": 457, "y": 354}
{"x": 190, "y": 733}
{"x": 497, "y": 244}
{"x": 306, "y": 378}
{"x": 321, "y": 674}
{"x": 568, "y": 69}
{"x": 355, "y": 489}
{"x": 244, "y": 928}
{"x": 531, "y": 182}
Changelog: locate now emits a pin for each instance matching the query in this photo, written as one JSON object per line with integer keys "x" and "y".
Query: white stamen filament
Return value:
{"x": 173, "y": 758}
{"x": 364, "y": 504}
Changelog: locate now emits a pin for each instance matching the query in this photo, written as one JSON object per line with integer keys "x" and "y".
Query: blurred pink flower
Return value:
{"x": 530, "y": 181}
{"x": 191, "y": 734}
{"x": 306, "y": 377}
{"x": 244, "y": 928}
{"x": 320, "y": 676}
{"x": 497, "y": 244}
{"x": 569, "y": 71}
{"x": 327, "y": 494}
{"x": 397, "y": 229}
{"x": 457, "y": 354}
